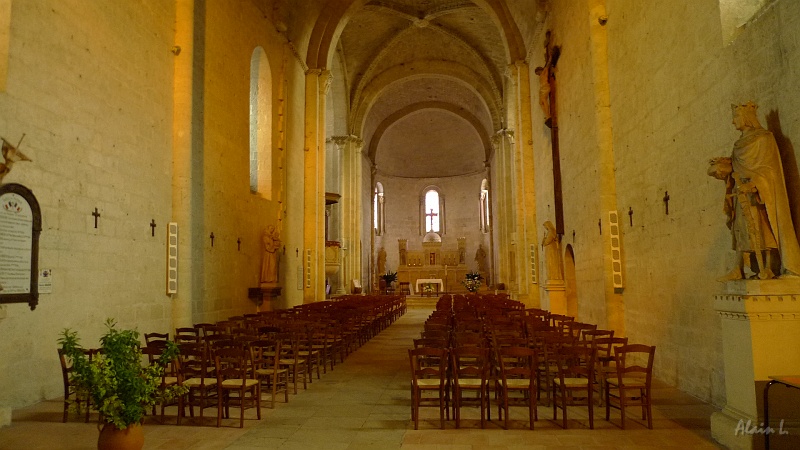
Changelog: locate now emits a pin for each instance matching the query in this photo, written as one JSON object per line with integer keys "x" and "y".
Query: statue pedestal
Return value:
{"x": 556, "y": 296}
{"x": 266, "y": 291}
{"x": 760, "y": 333}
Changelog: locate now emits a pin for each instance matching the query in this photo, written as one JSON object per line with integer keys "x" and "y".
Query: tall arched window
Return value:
{"x": 432, "y": 211}
{"x": 379, "y": 221}
{"x": 260, "y": 124}
{"x": 484, "y": 214}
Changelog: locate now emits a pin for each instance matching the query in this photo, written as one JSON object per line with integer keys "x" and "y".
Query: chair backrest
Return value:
{"x": 431, "y": 342}
{"x": 468, "y": 339}
{"x": 517, "y": 362}
{"x": 576, "y": 362}
{"x": 436, "y": 334}
{"x": 187, "y": 334}
{"x": 470, "y": 362}
{"x": 232, "y": 363}
{"x": 193, "y": 362}
{"x": 635, "y": 360}
{"x": 151, "y": 339}
{"x": 265, "y": 353}
{"x": 578, "y": 328}
{"x": 604, "y": 347}
{"x": 428, "y": 362}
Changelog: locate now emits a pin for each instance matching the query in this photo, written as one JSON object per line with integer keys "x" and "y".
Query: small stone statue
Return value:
{"x": 552, "y": 252}
{"x": 480, "y": 258}
{"x": 269, "y": 265}
{"x": 11, "y": 155}
{"x": 756, "y": 201}
{"x": 381, "y": 261}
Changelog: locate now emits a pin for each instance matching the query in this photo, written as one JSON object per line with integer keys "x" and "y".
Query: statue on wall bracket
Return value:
{"x": 11, "y": 155}
{"x": 756, "y": 202}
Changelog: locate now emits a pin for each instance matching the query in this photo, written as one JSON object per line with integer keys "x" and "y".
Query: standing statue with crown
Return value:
{"x": 756, "y": 201}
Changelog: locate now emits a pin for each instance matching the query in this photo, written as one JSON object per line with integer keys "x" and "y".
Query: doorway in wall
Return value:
{"x": 569, "y": 280}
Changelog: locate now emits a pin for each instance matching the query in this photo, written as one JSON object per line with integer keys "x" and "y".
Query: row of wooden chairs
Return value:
{"x": 574, "y": 363}
{"x": 230, "y": 363}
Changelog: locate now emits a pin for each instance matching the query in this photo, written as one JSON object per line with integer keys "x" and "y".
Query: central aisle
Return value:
{"x": 365, "y": 401}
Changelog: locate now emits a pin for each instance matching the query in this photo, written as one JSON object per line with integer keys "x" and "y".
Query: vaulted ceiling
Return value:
{"x": 425, "y": 80}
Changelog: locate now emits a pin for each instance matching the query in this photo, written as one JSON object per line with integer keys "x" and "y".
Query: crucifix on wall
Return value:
{"x": 547, "y": 100}
{"x": 431, "y": 215}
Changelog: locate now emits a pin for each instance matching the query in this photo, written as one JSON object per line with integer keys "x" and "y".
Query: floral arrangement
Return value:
{"x": 120, "y": 387}
{"x": 472, "y": 281}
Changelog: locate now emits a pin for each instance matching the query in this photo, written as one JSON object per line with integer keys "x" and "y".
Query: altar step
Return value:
{"x": 417, "y": 302}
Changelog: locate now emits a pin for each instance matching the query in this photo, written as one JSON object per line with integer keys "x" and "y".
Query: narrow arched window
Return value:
{"x": 378, "y": 201}
{"x": 484, "y": 206}
{"x": 260, "y": 124}
{"x": 432, "y": 211}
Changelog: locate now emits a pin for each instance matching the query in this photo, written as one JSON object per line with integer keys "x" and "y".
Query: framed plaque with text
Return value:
{"x": 20, "y": 226}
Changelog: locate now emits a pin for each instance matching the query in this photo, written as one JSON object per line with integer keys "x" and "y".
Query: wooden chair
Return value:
{"x": 405, "y": 288}
{"x": 575, "y": 382}
{"x": 470, "y": 373}
{"x": 291, "y": 360}
{"x": 71, "y": 393}
{"x": 427, "y": 377}
{"x": 266, "y": 354}
{"x": 168, "y": 378}
{"x": 195, "y": 375}
{"x": 605, "y": 366}
{"x": 235, "y": 385}
{"x": 517, "y": 374}
{"x": 632, "y": 385}
{"x": 549, "y": 344}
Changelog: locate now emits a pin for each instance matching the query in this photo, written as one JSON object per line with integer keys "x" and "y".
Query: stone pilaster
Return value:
{"x": 525, "y": 188}
{"x": 186, "y": 153}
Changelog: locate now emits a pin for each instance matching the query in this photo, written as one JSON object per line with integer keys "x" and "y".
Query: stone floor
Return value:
{"x": 364, "y": 404}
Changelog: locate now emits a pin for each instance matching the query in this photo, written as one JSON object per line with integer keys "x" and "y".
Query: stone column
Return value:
{"x": 503, "y": 211}
{"x": 525, "y": 189}
{"x": 317, "y": 83}
{"x": 760, "y": 335}
{"x": 187, "y": 162}
{"x": 350, "y": 209}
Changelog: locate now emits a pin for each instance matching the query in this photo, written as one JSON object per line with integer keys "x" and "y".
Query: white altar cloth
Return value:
{"x": 430, "y": 281}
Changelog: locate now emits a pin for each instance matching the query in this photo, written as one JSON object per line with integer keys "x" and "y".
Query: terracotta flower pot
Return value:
{"x": 112, "y": 438}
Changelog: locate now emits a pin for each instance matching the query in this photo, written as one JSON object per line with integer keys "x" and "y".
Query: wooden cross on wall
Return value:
{"x": 547, "y": 100}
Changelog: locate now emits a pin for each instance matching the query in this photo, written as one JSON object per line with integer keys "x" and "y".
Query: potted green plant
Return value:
{"x": 120, "y": 386}
{"x": 472, "y": 281}
{"x": 387, "y": 279}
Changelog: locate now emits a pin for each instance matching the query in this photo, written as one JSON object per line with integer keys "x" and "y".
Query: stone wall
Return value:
{"x": 90, "y": 87}
{"x": 671, "y": 81}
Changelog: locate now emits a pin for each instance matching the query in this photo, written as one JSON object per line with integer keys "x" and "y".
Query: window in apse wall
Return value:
{"x": 432, "y": 211}
{"x": 378, "y": 218}
{"x": 484, "y": 206}
{"x": 260, "y": 124}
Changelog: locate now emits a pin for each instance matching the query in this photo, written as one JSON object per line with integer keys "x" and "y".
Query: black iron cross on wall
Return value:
{"x": 96, "y": 215}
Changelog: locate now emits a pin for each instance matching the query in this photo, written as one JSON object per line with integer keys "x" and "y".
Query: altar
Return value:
{"x": 426, "y": 281}
{"x": 433, "y": 265}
